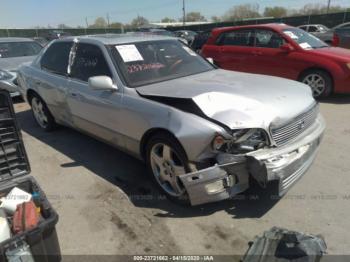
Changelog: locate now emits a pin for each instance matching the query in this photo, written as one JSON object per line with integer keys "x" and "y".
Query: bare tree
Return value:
{"x": 242, "y": 11}
{"x": 100, "y": 22}
{"x": 316, "y": 9}
{"x": 139, "y": 21}
{"x": 215, "y": 19}
{"x": 168, "y": 20}
{"x": 194, "y": 17}
{"x": 276, "y": 11}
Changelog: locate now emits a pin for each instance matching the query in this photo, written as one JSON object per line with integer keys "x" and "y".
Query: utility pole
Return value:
{"x": 183, "y": 13}
{"x": 87, "y": 25}
{"x": 328, "y": 6}
{"x": 107, "y": 19}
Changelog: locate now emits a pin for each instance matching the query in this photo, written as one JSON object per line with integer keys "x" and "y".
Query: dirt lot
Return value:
{"x": 107, "y": 205}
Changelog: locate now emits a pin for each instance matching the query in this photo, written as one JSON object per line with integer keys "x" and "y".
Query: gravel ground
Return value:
{"x": 108, "y": 205}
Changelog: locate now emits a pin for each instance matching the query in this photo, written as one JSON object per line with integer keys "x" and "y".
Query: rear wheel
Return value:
{"x": 319, "y": 81}
{"x": 42, "y": 114}
{"x": 166, "y": 161}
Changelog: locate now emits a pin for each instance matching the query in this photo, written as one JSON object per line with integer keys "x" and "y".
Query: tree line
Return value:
{"x": 235, "y": 13}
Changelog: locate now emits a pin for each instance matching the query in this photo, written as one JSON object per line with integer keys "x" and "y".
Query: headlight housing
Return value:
{"x": 243, "y": 140}
{"x": 5, "y": 75}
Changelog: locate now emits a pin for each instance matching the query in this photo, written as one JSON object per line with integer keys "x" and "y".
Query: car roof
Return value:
{"x": 115, "y": 39}
{"x": 311, "y": 25}
{"x": 275, "y": 26}
{"x": 15, "y": 39}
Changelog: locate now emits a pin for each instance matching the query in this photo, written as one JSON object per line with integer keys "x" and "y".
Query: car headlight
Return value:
{"x": 5, "y": 75}
{"x": 242, "y": 140}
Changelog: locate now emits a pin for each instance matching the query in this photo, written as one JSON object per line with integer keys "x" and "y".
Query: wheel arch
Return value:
{"x": 328, "y": 72}
{"x": 30, "y": 94}
{"x": 309, "y": 69}
{"x": 152, "y": 132}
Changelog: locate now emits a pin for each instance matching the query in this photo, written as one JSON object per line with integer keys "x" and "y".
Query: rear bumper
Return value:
{"x": 230, "y": 176}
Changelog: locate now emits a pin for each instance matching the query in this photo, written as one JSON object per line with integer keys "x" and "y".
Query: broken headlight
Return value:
{"x": 243, "y": 140}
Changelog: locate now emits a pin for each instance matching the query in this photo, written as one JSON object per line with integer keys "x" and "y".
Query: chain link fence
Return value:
{"x": 329, "y": 20}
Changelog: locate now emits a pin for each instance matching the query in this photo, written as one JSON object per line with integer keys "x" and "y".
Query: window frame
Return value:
{"x": 45, "y": 53}
{"x": 274, "y": 32}
{"x": 221, "y": 36}
{"x": 103, "y": 54}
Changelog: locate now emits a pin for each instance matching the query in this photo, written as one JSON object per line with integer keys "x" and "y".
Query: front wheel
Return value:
{"x": 319, "y": 81}
{"x": 42, "y": 114}
{"x": 166, "y": 161}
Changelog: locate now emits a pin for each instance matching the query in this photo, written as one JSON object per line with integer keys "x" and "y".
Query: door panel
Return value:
{"x": 234, "y": 50}
{"x": 97, "y": 112}
{"x": 52, "y": 82}
{"x": 270, "y": 59}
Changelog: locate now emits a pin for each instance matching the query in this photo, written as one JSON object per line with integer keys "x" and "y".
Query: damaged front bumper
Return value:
{"x": 230, "y": 176}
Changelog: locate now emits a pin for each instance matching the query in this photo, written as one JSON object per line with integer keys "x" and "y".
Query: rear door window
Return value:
{"x": 89, "y": 61}
{"x": 55, "y": 59}
{"x": 313, "y": 29}
{"x": 237, "y": 38}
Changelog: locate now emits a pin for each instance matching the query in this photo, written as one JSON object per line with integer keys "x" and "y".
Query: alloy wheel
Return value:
{"x": 166, "y": 167}
{"x": 317, "y": 84}
{"x": 39, "y": 113}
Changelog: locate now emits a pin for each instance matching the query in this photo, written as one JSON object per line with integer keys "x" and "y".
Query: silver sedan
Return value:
{"x": 203, "y": 132}
{"x": 15, "y": 51}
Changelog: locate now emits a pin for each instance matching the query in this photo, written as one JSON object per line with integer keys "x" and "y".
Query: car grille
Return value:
{"x": 283, "y": 134}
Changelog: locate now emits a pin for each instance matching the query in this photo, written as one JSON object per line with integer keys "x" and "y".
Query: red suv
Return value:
{"x": 281, "y": 50}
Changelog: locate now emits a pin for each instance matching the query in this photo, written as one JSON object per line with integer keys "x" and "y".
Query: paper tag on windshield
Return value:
{"x": 190, "y": 51}
{"x": 305, "y": 46}
{"x": 129, "y": 53}
{"x": 291, "y": 34}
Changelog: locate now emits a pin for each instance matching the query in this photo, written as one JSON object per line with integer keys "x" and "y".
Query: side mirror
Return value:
{"x": 287, "y": 48}
{"x": 101, "y": 83}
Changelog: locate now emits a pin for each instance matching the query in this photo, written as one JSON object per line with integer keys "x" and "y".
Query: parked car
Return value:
{"x": 186, "y": 34}
{"x": 337, "y": 36}
{"x": 41, "y": 40}
{"x": 281, "y": 50}
{"x": 57, "y": 34}
{"x": 199, "y": 40}
{"x": 315, "y": 28}
{"x": 341, "y": 36}
{"x": 202, "y": 131}
{"x": 161, "y": 32}
{"x": 14, "y": 52}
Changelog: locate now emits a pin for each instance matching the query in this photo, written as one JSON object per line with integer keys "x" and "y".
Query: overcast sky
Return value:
{"x": 30, "y": 13}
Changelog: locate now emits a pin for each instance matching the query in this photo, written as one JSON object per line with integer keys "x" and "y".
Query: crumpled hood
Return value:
{"x": 238, "y": 100}
{"x": 13, "y": 63}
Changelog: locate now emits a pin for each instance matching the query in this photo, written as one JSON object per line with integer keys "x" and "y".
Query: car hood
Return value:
{"x": 333, "y": 53}
{"x": 238, "y": 100}
{"x": 13, "y": 63}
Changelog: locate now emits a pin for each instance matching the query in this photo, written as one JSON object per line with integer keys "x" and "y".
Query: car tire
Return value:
{"x": 41, "y": 113}
{"x": 319, "y": 81}
{"x": 166, "y": 160}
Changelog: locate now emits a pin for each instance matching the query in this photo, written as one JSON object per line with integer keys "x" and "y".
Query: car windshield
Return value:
{"x": 144, "y": 63}
{"x": 304, "y": 39}
{"x": 18, "y": 49}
